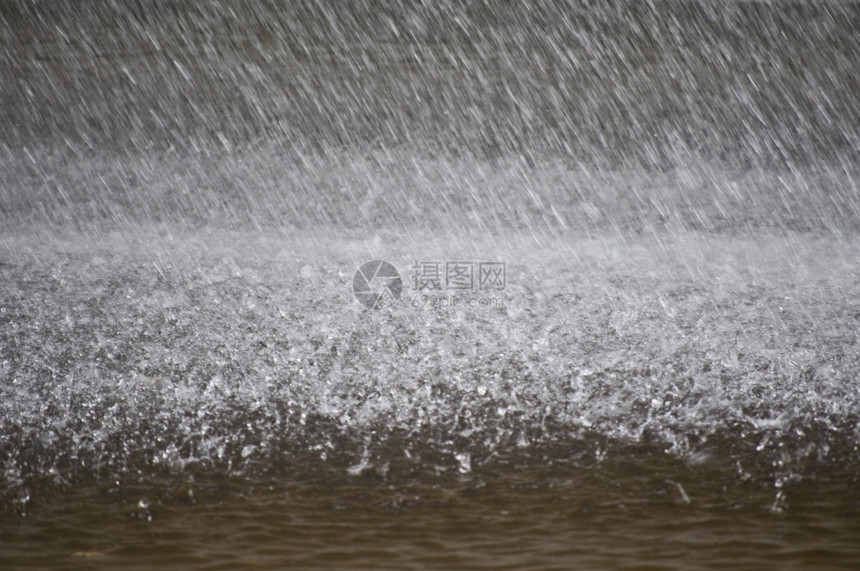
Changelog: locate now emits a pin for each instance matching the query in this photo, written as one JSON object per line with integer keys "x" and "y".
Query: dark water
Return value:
{"x": 667, "y": 379}
{"x": 621, "y": 514}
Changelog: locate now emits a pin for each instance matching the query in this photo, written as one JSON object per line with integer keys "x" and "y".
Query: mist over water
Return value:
{"x": 187, "y": 190}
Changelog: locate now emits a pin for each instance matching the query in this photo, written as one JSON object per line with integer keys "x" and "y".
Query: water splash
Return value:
{"x": 255, "y": 366}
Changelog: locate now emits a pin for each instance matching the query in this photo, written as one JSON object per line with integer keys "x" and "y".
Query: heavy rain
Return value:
{"x": 429, "y": 284}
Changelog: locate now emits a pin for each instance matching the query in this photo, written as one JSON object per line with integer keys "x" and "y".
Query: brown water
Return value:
{"x": 643, "y": 512}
